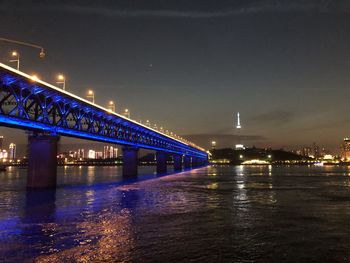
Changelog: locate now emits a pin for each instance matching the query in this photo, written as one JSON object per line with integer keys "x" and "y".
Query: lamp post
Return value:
{"x": 127, "y": 113}
{"x": 61, "y": 80}
{"x": 42, "y": 51}
{"x": 148, "y": 124}
{"x": 213, "y": 144}
{"x": 111, "y": 106}
{"x": 15, "y": 55}
{"x": 91, "y": 95}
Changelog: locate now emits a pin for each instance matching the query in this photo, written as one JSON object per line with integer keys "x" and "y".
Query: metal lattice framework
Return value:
{"x": 31, "y": 104}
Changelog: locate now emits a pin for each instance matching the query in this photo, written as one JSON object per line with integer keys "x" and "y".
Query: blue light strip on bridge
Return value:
{"x": 14, "y": 122}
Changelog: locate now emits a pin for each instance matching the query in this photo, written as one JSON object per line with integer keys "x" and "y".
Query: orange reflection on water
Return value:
{"x": 110, "y": 239}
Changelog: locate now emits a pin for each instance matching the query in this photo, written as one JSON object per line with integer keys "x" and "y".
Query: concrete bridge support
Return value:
{"x": 177, "y": 162}
{"x": 42, "y": 165}
{"x": 130, "y": 161}
{"x": 196, "y": 162}
{"x": 161, "y": 162}
{"x": 187, "y": 162}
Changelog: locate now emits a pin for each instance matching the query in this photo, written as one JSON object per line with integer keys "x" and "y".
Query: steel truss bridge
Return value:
{"x": 31, "y": 104}
{"x": 28, "y": 103}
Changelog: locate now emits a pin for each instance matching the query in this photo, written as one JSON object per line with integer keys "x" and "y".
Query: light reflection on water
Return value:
{"x": 213, "y": 214}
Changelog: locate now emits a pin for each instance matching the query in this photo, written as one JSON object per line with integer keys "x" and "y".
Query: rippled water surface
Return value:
{"x": 212, "y": 214}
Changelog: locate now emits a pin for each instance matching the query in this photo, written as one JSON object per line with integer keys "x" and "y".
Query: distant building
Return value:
{"x": 110, "y": 152}
{"x": 12, "y": 151}
{"x": 3, "y": 154}
{"x": 346, "y": 149}
{"x": 98, "y": 155}
{"x": 106, "y": 152}
{"x": 115, "y": 153}
{"x": 81, "y": 153}
{"x": 307, "y": 151}
{"x": 91, "y": 154}
{"x": 316, "y": 149}
{"x": 1, "y": 142}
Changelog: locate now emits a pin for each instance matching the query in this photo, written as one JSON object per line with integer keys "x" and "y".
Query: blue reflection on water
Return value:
{"x": 37, "y": 219}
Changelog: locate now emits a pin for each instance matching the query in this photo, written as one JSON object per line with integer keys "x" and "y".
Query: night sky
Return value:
{"x": 191, "y": 65}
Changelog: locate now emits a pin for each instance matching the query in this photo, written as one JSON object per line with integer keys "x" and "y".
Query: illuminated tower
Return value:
{"x": 238, "y": 122}
{"x": 239, "y": 145}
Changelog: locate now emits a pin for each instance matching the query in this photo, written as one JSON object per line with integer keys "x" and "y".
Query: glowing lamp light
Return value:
{"x": 61, "y": 80}
{"x": 91, "y": 95}
{"x": 127, "y": 113}
{"x": 111, "y": 106}
{"x": 35, "y": 77}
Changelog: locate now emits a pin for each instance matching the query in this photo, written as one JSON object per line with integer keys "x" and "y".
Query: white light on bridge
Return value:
{"x": 61, "y": 80}
{"x": 91, "y": 95}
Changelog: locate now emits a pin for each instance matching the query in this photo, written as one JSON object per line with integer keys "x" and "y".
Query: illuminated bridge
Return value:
{"x": 48, "y": 112}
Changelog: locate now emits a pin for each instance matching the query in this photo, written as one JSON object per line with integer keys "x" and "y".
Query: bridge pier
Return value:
{"x": 42, "y": 165}
{"x": 161, "y": 162}
{"x": 187, "y": 162}
{"x": 196, "y": 162}
{"x": 130, "y": 161}
{"x": 177, "y": 162}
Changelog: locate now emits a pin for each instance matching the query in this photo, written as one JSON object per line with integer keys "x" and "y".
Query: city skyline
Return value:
{"x": 199, "y": 64}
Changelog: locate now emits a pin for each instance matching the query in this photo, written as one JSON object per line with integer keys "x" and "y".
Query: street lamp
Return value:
{"x": 213, "y": 144}
{"x": 41, "y": 54}
{"x": 61, "y": 80}
{"x": 15, "y": 55}
{"x": 148, "y": 124}
{"x": 111, "y": 106}
{"x": 91, "y": 95}
{"x": 127, "y": 113}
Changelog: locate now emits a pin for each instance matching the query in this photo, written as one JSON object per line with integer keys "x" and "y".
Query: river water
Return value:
{"x": 211, "y": 214}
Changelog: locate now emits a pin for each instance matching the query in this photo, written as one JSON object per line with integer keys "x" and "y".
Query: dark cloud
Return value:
{"x": 176, "y": 9}
{"x": 276, "y": 117}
